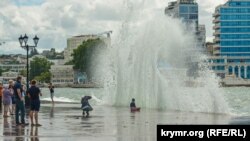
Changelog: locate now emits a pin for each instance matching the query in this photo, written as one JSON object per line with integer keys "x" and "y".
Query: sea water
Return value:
{"x": 237, "y": 97}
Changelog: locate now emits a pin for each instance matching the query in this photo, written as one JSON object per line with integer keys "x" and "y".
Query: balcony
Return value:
{"x": 216, "y": 14}
{"x": 216, "y": 64}
{"x": 216, "y": 27}
{"x": 216, "y": 20}
{"x": 216, "y": 33}
{"x": 216, "y": 52}
{"x": 219, "y": 71}
{"x": 215, "y": 46}
{"x": 216, "y": 39}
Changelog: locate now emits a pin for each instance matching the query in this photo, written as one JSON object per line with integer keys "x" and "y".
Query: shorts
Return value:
{"x": 51, "y": 95}
{"x": 6, "y": 107}
{"x": 35, "y": 105}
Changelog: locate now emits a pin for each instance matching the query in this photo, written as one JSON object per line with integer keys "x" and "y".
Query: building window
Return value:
{"x": 235, "y": 36}
{"x": 183, "y": 9}
{"x": 184, "y": 16}
{"x": 233, "y": 30}
{"x": 235, "y": 49}
{"x": 193, "y": 9}
{"x": 235, "y": 17}
{"x": 193, "y": 16}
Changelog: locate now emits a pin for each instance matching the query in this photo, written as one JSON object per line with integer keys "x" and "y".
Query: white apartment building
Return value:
{"x": 62, "y": 74}
{"x": 10, "y": 74}
{"x": 13, "y": 67}
{"x": 187, "y": 11}
{"x": 75, "y": 41}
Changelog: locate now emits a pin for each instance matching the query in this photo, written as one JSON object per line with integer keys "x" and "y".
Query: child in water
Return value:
{"x": 133, "y": 107}
{"x": 85, "y": 105}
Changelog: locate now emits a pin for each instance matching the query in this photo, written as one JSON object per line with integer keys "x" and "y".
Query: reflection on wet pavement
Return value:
{"x": 65, "y": 122}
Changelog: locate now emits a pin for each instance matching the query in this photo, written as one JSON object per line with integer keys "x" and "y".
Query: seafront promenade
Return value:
{"x": 64, "y": 122}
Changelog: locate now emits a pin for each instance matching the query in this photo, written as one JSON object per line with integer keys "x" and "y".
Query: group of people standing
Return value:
{"x": 13, "y": 98}
{"x": 7, "y": 98}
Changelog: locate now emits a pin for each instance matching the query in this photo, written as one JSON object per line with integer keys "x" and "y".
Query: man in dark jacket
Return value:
{"x": 19, "y": 102}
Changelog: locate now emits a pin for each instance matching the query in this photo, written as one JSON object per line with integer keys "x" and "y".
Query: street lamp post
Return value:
{"x": 24, "y": 39}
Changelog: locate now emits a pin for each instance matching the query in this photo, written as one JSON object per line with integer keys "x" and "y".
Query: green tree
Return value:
{"x": 23, "y": 72}
{"x": 69, "y": 63}
{"x": 39, "y": 66}
{"x": 1, "y": 71}
{"x": 84, "y": 53}
{"x": 44, "y": 77}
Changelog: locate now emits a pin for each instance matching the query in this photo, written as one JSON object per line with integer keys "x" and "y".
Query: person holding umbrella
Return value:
{"x": 86, "y": 107}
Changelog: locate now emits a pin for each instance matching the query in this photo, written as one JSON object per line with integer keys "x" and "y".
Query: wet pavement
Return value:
{"x": 64, "y": 122}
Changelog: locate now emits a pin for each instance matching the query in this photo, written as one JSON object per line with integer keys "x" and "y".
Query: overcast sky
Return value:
{"x": 56, "y": 20}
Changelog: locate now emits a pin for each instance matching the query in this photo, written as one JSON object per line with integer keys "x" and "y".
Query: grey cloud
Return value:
{"x": 68, "y": 22}
{"x": 55, "y": 20}
{"x": 105, "y": 13}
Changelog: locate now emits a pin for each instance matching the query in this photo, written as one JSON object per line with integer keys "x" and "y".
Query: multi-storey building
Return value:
{"x": 201, "y": 37}
{"x": 232, "y": 39}
{"x": 13, "y": 67}
{"x": 62, "y": 74}
{"x": 187, "y": 11}
{"x": 75, "y": 41}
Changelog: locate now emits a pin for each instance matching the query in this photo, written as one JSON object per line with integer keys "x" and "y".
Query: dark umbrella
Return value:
{"x": 86, "y": 98}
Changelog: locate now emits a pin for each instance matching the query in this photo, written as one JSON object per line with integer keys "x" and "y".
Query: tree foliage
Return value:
{"x": 69, "y": 63}
{"x": 3, "y": 70}
{"x": 23, "y": 72}
{"x": 84, "y": 53}
{"x": 38, "y": 67}
{"x": 44, "y": 77}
